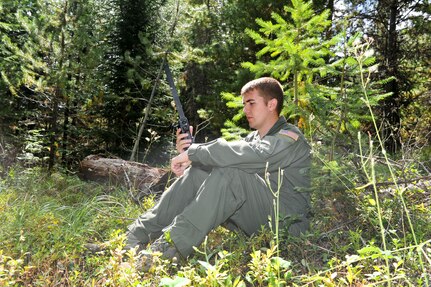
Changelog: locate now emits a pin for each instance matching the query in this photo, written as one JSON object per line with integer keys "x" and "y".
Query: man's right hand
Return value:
{"x": 180, "y": 163}
{"x": 182, "y": 142}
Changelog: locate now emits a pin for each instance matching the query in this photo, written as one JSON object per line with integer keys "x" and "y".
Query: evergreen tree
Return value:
{"x": 212, "y": 47}
{"x": 415, "y": 63}
{"x": 10, "y": 31}
{"x": 132, "y": 68}
{"x": 48, "y": 73}
{"x": 323, "y": 98}
{"x": 388, "y": 23}
{"x": 294, "y": 52}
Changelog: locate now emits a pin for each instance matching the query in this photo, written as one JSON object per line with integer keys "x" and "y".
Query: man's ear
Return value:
{"x": 272, "y": 104}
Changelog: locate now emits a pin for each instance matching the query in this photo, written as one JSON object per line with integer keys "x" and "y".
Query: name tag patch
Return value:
{"x": 290, "y": 134}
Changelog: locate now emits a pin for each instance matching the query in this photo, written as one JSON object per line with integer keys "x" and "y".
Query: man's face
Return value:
{"x": 255, "y": 109}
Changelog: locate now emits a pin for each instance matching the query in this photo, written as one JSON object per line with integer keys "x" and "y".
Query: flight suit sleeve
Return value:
{"x": 252, "y": 157}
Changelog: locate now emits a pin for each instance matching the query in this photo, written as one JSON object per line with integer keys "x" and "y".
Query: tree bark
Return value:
{"x": 391, "y": 106}
{"x": 58, "y": 94}
{"x": 119, "y": 172}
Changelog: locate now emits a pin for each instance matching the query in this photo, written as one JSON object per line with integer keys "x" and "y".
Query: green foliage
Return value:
{"x": 295, "y": 49}
{"x": 57, "y": 66}
{"x": 48, "y": 219}
{"x": 295, "y": 52}
{"x": 137, "y": 41}
{"x": 323, "y": 77}
{"x": 48, "y": 68}
{"x": 266, "y": 268}
{"x": 231, "y": 130}
{"x": 371, "y": 214}
{"x": 11, "y": 270}
{"x": 211, "y": 45}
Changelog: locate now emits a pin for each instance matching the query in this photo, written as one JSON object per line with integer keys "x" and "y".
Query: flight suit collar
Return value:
{"x": 279, "y": 124}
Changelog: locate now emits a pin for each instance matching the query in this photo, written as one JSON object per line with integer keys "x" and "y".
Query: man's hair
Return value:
{"x": 269, "y": 88}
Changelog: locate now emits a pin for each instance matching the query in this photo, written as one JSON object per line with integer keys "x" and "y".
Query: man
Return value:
{"x": 222, "y": 182}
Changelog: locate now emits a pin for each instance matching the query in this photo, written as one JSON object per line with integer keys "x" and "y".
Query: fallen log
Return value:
{"x": 135, "y": 176}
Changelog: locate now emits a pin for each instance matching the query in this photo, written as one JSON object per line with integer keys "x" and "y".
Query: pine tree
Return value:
{"x": 294, "y": 50}
{"x": 213, "y": 46}
{"x": 321, "y": 77}
{"x": 50, "y": 64}
{"x": 132, "y": 67}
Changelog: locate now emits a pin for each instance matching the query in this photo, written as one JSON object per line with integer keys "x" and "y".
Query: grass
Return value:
{"x": 47, "y": 219}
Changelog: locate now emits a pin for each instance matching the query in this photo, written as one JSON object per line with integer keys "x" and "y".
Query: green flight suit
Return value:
{"x": 226, "y": 185}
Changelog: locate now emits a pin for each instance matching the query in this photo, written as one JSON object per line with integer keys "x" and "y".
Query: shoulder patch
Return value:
{"x": 290, "y": 134}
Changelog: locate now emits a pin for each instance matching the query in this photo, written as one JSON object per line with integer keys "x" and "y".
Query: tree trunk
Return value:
{"x": 64, "y": 155}
{"x": 392, "y": 104}
{"x": 58, "y": 94}
{"x": 119, "y": 172}
{"x": 54, "y": 129}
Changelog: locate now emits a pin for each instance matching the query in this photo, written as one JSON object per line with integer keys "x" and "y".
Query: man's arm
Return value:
{"x": 274, "y": 151}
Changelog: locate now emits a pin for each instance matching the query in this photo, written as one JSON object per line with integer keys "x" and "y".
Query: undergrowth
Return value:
{"x": 47, "y": 219}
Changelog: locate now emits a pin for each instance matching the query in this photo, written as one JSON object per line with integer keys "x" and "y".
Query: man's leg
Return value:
{"x": 149, "y": 226}
{"x": 223, "y": 195}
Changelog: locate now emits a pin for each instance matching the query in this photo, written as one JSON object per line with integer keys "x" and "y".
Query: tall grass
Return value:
{"x": 46, "y": 220}
{"x": 365, "y": 80}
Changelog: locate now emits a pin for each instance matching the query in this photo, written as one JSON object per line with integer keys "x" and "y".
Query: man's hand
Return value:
{"x": 180, "y": 163}
{"x": 182, "y": 142}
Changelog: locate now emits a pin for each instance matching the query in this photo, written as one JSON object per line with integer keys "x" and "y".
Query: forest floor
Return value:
{"x": 355, "y": 239}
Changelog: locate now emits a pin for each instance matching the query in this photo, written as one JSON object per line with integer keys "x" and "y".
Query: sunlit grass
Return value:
{"x": 46, "y": 220}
